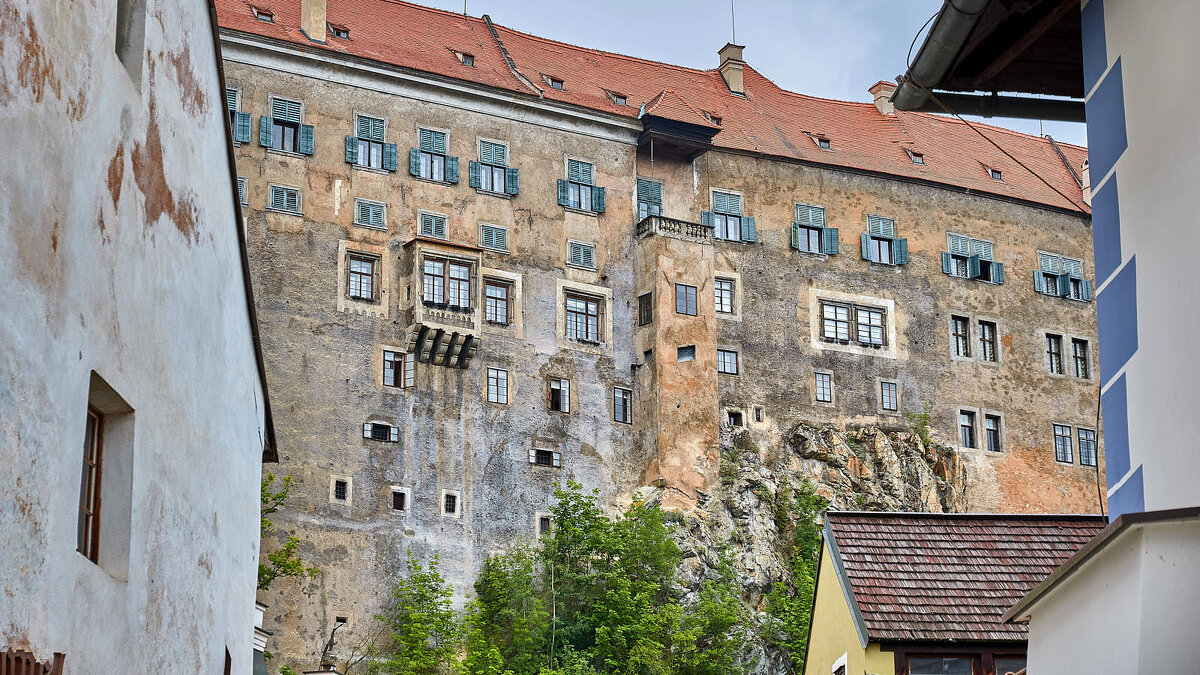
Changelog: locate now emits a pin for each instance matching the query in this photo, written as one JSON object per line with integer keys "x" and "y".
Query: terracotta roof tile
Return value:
{"x": 766, "y": 120}
{"x": 943, "y": 577}
{"x": 670, "y": 105}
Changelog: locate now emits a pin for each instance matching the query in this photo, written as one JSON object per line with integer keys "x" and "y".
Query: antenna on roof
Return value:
{"x": 732, "y": 21}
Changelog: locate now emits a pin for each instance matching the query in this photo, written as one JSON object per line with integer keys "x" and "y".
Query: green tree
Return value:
{"x": 512, "y": 611}
{"x": 790, "y": 603}
{"x": 425, "y": 630}
{"x": 284, "y": 561}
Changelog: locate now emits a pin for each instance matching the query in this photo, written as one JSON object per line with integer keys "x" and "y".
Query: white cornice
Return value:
{"x": 262, "y": 52}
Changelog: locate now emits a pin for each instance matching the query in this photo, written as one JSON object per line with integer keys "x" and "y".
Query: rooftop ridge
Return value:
{"x": 972, "y": 515}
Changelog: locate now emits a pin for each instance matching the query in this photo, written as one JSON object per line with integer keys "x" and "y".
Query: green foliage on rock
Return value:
{"x": 790, "y": 603}
{"x": 920, "y": 424}
{"x": 285, "y": 561}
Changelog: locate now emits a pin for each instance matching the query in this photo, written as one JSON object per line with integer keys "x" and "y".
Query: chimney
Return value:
{"x": 731, "y": 67}
{"x": 882, "y": 91}
{"x": 312, "y": 19}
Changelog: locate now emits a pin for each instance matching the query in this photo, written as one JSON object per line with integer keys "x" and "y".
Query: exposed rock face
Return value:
{"x": 862, "y": 469}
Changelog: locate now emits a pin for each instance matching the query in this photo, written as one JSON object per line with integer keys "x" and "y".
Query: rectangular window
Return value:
{"x": 380, "y": 432}
{"x": 284, "y": 199}
{"x": 880, "y": 244}
{"x": 845, "y": 323}
{"x": 497, "y": 386}
{"x": 399, "y": 369}
{"x": 543, "y": 457}
{"x": 727, "y": 361}
{"x": 1054, "y": 362}
{"x": 966, "y": 429}
{"x": 232, "y": 98}
{"x": 645, "y": 308}
{"x": 360, "y": 274}
{"x": 459, "y": 286}
{"x": 1062, "y": 443}
{"x": 622, "y": 405}
{"x": 446, "y": 283}
{"x": 940, "y": 665}
{"x": 987, "y": 341}
{"x": 649, "y": 196}
{"x": 727, "y": 216}
{"x": 88, "y": 532}
{"x": 1087, "y": 447}
{"x": 433, "y": 225}
{"x": 824, "y": 388}
{"x": 493, "y": 162}
{"x": 432, "y": 154}
{"x": 434, "y": 288}
{"x": 581, "y": 255}
{"x": 341, "y": 490}
{"x": 809, "y": 232}
{"x": 370, "y": 214}
{"x": 560, "y": 395}
{"x": 544, "y": 524}
{"x": 580, "y": 180}
{"x": 960, "y": 332}
{"x": 724, "y": 293}
{"x": 809, "y": 239}
{"x": 685, "y": 353}
{"x": 1079, "y": 357}
{"x": 496, "y": 302}
{"x": 285, "y": 125}
{"x": 582, "y": 318}
{"x": 888, "y": 398}
{"x": 242, "y": 199}
{"x": 399, "y": 500}
{"x": 369, "y": 136}
{"x": 991, "y": 429}
{"x": 685, "y": 299}
{"x": 450, "y": 504}
{"x": 493, "y": 238}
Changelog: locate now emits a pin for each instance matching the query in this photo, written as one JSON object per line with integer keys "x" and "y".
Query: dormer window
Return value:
{"x": 339, "y": 31}
{"x": 554, "y": 82}
{"x": 916, "y": 157}
{"x": 822, "y": 142}
{"x": 715, "y": 120}
{"x": 995, "y": 174}
{"x": 263, "y": 15}
{"x": 619, "y": 99}
{"x": 468, "y": 60}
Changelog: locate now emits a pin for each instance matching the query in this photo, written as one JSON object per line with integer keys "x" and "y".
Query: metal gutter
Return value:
{"x": 992, "y": 105}
{"x": 270, "y": 451}
{"x": 954, "y": 23}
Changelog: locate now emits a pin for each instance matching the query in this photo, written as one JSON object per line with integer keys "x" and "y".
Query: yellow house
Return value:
{"x": 926, "y": 593}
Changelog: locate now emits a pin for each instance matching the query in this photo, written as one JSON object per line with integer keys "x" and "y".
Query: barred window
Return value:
{"x": 1062, "y": 443}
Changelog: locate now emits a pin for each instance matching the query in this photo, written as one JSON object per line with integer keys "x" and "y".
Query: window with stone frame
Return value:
{"x": 1062, "y": 444}
{"x": 1054, "y": 355}
{"x": 991, "y": 432}
{"x": 987, "y": 341}
{"x": 846, "y": 323}
{"x": 645, "y": 308}
{"x": 1080, "y": 360}
{"x": 960, "y": 334}
{"x": 497, "y": 299}
{"x": 1087, "y": 447}
{"x": 559, "y": 395}
{"x": 724, "y": 290}
{"x": 497, "y": 386}
{"x": 968, "y": 434}
{"x": 446, "y": 283}
{"x": 582, "y": 314}
{"x": 362, "y": 276}
{"x": 399, "y": 369}
{"x": 824, "y": 388}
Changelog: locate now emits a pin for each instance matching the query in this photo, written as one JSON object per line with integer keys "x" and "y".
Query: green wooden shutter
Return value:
{"x": 432, "y": 141}
{"x": 352, "y": 149}
{"x": 810, "y": 216}
{"x": 370, "y": 128}
{"x": 308, "y": 139}
{"x": 865, "y": 242}
{"x": 451, "y": 169}
{"x": 706, "y": 218}
{"x": 997, "y": 273}
{"x": 473, "y": 170}
{"x": 512, "y": 181}
{"x": 959, "y": 245}
{"x": 947, "y": 263}
{"x": 286, "y": 110}
{"x": 564, "y": 192}
{"x": 729, "y": 204}
{"x": 231, "y": 98}
{"x": 580, "y": 172}
{"x": 900, "y": 253}
{"x": 1064, "y": 285}
{"x": 878, "y": 226}
{"x": 598, "y": 199}
{"x": 829, "y": 238}
{"x": 390, "y": 158}
{"x": 649, "y": 191}
{"x": 414, "y": 162}
{"x": 1049, "y": 262}
{"x": 264, "y": 131}
{"x": 1039, "y": 281}
{"x": 981, "y": 248}
{"x": 1086, "y": 291}
{"x": 973, "y": 267}
{"x": 241, "y": 127}
{"x": 749, "y": 231}
{"x": 796, "y": 236}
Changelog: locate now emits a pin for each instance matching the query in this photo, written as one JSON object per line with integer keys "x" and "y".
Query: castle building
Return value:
{"x": 489, "y": 263}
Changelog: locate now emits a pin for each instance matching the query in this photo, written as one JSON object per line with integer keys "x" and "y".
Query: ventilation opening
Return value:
{"x": 735, "y": 418}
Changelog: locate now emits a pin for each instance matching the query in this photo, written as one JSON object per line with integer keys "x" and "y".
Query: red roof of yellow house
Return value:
{"x": 767, "y": 119}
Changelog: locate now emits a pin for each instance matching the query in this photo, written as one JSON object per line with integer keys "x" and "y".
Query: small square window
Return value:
{"x": 493, "y": 238}
{"x": 340, "y": 32}
{"x": 556, "y": 83}
{"x": 263, "y": 15}
{"x": 380, "y": 431}
{"x": 399, "y": 369}
{"x": 687, "y": 353}
{"x": 284, "y": 199}
{"x": 735, "y": 418}
{"x": 339, "y": 489}
{"x": 996, "y": 174}
{"x": 399, "y": 500}
{"x": 544, "y": 457}
{"x": 468, "y": 60}
{"x": 582, "y": 255}
{"x": 433, "y": 225}
{"x": 823, "y": 143}
{"x": 917, "y": 158}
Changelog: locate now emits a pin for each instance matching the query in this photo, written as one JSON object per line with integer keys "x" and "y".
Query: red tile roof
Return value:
{"x": 766, "y": 120}
{"x": 948, "y": 577}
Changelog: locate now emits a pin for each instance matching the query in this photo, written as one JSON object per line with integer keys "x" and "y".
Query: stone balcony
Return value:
{"x": 676, "y": 229}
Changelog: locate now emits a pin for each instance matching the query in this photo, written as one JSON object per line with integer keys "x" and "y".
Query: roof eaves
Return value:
{"x": 860, "y": 624}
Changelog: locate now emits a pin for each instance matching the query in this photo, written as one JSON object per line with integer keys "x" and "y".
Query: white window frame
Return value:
{"x": 507, "y": 392}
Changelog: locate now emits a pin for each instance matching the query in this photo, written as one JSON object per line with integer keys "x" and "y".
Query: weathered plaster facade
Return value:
{"x": 124, "y": 291}
{"x": 325, "y": 351}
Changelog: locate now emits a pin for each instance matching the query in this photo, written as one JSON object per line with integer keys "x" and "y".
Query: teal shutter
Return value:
{"x": 866, "y": 246}
{"x": 352, "y": 149}
{"x": 264, "y": 131}
{"x": 947, "y": 263}
{"x": 512, "y": 181}
{"x": 981, "y": 248}
{"x": 432, "y": 141}
{"x": 997, "y": 273}
{"x": 451, "y": 169}
{"x": 1039, "y": 281}
{"x": 308, "y": 139}
{"x": 795, "y": 236}
{"x": 370, "y": 128}
{"x": 580, "y": 172}
{"x": 810, "y": 216}
{"x": 564, "y": 193}
{"x": 901, "y": 251}
{"x": 829, "y": 238}
{"x": 879, "y": 226}
{"x": 390, "y": 158}
{"x": 1086, "y": 291}
{"x": 749, "y": 231}
{"x": 414, "y": 161}
{"x": 473, "y": 169}
{"x": 231, "y": 98}
{"x": 973, "y": 267}
{"x": 285, "y": 110}
{"x": 598, "y": 199}
{"x": 241, "y": 127}
{"x": 649, "y": 191}
{"x": 706, "y": 218}
{"x": 1064, "y": 285}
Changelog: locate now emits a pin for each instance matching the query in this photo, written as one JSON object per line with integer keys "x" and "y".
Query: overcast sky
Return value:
{"x": 830, "y": 48}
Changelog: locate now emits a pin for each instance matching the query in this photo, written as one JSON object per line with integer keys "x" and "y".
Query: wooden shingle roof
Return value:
{"x": 947, "y": 577}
